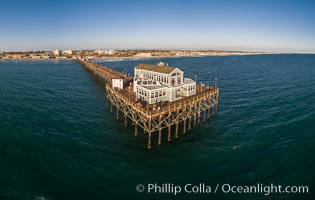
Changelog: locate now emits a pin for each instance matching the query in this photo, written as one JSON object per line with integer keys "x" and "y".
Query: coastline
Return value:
{"x": 116, "y": 58}
{"x": 141, "y": 57}
{"x": 180, "y": 56}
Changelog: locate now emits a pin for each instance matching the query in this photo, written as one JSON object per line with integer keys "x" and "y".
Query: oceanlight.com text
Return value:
{"x": 203, "y": 188}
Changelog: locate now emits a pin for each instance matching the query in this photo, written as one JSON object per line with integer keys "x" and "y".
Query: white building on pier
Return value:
{"x": 156, "y": 83}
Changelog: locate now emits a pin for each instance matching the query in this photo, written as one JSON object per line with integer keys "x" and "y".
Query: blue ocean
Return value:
{"x": 59, "y": 141}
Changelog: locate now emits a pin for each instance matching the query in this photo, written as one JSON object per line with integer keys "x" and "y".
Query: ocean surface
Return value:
{"x": 58, "y": 141}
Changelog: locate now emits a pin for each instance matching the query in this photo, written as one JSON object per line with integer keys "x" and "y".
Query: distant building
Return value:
{"x": 105, "y": 52}
{"x": 56, "y": 52}
{"x": 67, "y": 52}
{"x": 153, "y": 83}
{"x": 143, "y": 55}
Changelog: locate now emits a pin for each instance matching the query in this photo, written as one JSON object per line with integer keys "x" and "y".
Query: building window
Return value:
{"x": 173, "y": 82}
{"x": 177, "y": 94}
{"x": 179, "y": 80}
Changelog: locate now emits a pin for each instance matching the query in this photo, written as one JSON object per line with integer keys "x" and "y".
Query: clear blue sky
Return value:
{"x": 286, "y": 26}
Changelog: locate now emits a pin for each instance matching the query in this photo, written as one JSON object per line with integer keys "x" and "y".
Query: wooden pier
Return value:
{"x": 187, "y": 112}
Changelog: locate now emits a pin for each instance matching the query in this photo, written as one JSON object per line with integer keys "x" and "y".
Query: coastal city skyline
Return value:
{"x": 265, "y": 26}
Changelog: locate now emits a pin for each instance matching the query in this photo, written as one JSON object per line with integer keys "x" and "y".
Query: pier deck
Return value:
{"x": 153, "y": 118}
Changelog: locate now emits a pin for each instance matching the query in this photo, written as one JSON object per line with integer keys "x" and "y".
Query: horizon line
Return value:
{"x": 160, "y": 49}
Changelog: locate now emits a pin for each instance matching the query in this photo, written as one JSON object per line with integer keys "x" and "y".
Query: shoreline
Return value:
{"x": 180, "y": 56}
{"x": 143, "y": 57}
{"x": 153, "y": 57}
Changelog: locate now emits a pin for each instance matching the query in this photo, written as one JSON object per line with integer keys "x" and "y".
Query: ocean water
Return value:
{"x": 58, "y": 141}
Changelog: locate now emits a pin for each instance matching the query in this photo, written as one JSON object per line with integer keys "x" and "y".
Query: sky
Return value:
{"x": 248, "y": 25}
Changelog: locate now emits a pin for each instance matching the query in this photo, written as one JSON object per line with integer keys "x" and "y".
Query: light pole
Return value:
{"x": 215, "y": 82}
{"x": 129, "y": 93}
{"x": 201, "y": 87}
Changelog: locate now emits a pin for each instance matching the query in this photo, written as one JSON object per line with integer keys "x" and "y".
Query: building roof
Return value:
{"x": 151, "y": 87}
{"x": 156, "y": 68}
{"x": 188, "y": 81}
